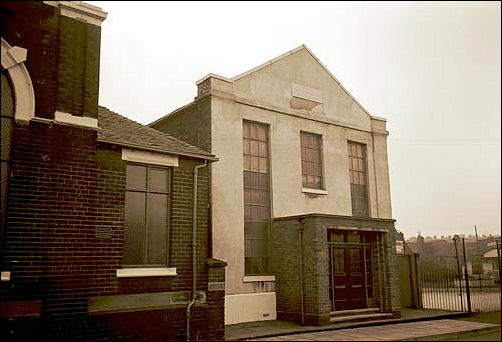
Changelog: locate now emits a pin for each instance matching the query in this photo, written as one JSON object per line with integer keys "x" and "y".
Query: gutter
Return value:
{"x": 194, "y": 249}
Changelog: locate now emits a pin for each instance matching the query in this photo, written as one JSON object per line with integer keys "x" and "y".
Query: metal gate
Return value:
{"x": 451, "y": 282}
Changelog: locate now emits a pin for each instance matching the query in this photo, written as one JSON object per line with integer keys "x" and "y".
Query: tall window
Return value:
{"x": 146, "y": 215}
{"x": 358, "y": 186}
{"x": 7, "y": 114}
{"x": 256, "y": 198}
{"x": 311, "y": 147}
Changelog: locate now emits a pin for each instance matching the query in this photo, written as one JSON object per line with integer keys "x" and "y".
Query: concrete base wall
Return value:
{"x": 250, "y": 307}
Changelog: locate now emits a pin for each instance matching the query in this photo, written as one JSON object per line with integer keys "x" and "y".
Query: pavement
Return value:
{"x": 389, "y": 332}
{"x": 413, "y": 324}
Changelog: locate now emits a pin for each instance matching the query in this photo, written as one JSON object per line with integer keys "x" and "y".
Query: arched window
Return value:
{"x": 7, "y": 114}
{"x": 18, "y": 105}
{"x": 13, "y": 58}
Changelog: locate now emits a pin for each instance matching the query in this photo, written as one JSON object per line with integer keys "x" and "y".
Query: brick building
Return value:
{"x": 104, "y": 221}
{"x": 301, "y": 208}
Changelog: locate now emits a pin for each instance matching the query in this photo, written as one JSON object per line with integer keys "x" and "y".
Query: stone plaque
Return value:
{"x": 307, "y": 93}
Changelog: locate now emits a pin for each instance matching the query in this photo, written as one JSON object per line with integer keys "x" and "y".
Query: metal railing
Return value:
{"x": 451, "y": 285}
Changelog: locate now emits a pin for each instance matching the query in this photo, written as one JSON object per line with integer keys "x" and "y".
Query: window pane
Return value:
{"x": 245, "y": 146}
{"x": 339, "y": 261}
{"x": 157, "y": 228}
{"x": 255, "y": 166}
{"x": 353, "y": 237}
{"x": 259, "y": 247}
{"x": 261, "y": 132}
{"x": 263, "y": 149}
{"x": 252, "y": 131}
{"x": 134, "y": 229}
{"x": 136, "y": 177}
{"x": 247, "y": 163}
{"x": 256, "y": 230}
{"x": 158, "y": 180}
{"x": 254, "y": 147}
{"x": 263, "y": 165}
{"x": 263, "y": 181}
{"x": 245, "y": 130}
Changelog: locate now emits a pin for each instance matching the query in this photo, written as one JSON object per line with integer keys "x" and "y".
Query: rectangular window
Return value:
{"x": 256, "y": 198}
{"x": 146, "y": 215}
{"x": 358, "y": 186}
{"x": 311, "y": 148}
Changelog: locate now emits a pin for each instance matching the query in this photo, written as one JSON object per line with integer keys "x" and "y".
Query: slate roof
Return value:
{"x": 116, "y": 129}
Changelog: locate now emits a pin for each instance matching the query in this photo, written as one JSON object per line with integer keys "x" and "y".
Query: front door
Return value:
{"x": 348, "y": 278}
{"x": 348, "y": 273}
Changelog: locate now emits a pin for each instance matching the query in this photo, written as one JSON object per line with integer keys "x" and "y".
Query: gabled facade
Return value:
{"x": 301, "y": 207}
{"x": 104, "y": 220}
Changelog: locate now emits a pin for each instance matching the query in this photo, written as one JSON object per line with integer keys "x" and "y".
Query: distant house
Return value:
{"x": 301, "y": 208}
{"x": 98, "y": 212}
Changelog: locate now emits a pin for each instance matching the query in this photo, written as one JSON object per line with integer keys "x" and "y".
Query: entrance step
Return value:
{"x": 354, "y": 312}
{"x": 348, "y": 316}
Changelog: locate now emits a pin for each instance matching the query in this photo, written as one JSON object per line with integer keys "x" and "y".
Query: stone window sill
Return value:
{"x": 146, "y": 272}
{"x": 250, "y": 279}
{"x": 315, "y": 191}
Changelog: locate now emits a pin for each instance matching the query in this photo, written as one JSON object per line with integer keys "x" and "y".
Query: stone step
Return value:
{"x": 354, "y": 312}
{"x": 361, "y": 317}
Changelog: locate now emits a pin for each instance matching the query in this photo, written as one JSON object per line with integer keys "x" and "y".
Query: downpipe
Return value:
{"x": 194, "y": 249}
{"x": 300, "y": 248}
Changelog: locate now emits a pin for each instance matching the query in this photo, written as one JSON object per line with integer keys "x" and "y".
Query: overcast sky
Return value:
{"x": 432, "y": 69}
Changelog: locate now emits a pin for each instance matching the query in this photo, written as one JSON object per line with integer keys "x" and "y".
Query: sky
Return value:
{"x": 432, "y": 69}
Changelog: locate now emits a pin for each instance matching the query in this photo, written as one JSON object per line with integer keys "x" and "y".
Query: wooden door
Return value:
{"x": 347, "y": 270}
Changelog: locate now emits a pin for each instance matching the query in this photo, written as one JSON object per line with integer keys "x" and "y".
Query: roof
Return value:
{"x": 116, "y": 129}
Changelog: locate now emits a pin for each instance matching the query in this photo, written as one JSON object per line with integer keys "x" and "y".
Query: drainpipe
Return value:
{"x": 194, "y": 248}
{"x": 300, "y": 245}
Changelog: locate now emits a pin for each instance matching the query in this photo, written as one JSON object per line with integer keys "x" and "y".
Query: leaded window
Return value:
{"x": 311, "y": 150}
{"x": 7, "y": 114}
{"x": 146, "y": 215}
{"x": 358, "y": 185}
{"x": 256, "y": 198}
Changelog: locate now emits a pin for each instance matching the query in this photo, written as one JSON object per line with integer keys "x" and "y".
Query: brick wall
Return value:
{"x": 191, "y": 123}
{"x": 63, "y": 56}
{"x": 63, "y": 241}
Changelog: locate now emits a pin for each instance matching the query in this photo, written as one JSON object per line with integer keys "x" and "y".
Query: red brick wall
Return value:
{"x": 63, "y": 190}
{"x": 63, "y": 56}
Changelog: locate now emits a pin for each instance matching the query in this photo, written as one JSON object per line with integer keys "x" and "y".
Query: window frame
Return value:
{"x": 267, "y": 271}
{"x": 366, "y": 178}
{"x": 322, "y": 184}
{"x": 147, "y": 191}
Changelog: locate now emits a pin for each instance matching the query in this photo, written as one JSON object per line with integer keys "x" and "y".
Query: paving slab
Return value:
{"x": 392, "y": 332}
{"x": 243, "y": 331}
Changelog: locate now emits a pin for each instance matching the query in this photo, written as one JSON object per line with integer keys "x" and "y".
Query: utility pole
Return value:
{"x": 476, "y": 231}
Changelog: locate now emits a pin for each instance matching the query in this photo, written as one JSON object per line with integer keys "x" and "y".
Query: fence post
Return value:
{"x": 459, "y": 274}
{"x": 498, "y": 262}
{"x": 467, "y": 289}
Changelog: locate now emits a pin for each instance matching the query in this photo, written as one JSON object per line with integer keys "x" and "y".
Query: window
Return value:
{"x": 358, "y": 188}
{"x": 7, "y": 114}
{"x": 311, "y": 147}
{"x": 146, "y": 215}
{"x": 256, "y": 198}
